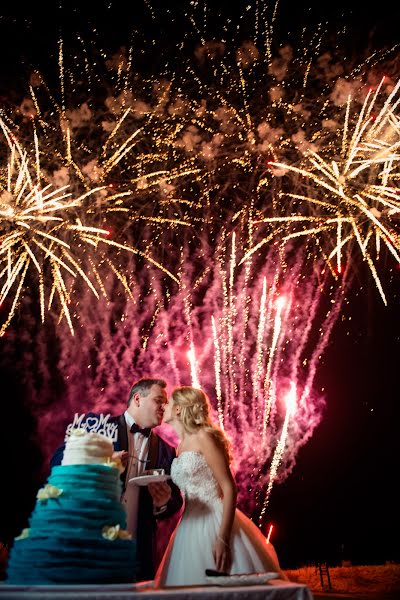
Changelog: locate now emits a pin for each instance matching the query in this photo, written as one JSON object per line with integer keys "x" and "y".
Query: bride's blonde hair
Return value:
{"x": 195, "y": 414}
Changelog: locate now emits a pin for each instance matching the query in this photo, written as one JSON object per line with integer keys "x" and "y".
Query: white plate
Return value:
{"x": 245, "y": 579}
{"x": 146, "y": 479}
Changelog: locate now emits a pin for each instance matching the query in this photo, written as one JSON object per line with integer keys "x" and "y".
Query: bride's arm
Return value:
{"x": 222, "y": 473}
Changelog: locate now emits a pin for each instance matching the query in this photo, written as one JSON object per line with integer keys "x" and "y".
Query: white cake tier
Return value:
{"x": 87, "y": 449}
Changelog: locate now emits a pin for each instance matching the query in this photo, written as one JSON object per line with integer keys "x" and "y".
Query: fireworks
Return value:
{"x": 215, "y": 331}
{"x": 174, "y": 154}
{"x": 41, "y": 231}
{"x": 239, "y": 179}
{"x": 35, "y": 223}
{"x": 354, "y": 195}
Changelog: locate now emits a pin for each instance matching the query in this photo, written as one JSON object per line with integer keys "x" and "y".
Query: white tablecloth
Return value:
{"x": 275, "y": 590}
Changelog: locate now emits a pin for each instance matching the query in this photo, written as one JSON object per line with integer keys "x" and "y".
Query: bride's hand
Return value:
{"x": 222, "y": 555}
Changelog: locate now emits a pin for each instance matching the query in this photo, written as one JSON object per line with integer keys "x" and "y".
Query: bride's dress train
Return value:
{"x": 189, "y": 552}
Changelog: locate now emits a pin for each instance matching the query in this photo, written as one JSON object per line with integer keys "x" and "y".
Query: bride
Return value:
{"x": 212, "y": 533}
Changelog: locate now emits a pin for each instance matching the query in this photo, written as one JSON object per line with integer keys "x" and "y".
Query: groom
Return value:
{"x": 139, "y": 449}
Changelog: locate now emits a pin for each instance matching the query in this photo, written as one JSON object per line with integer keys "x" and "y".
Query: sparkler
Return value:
{"x": 193, "y": 366}
{"x": 280, "y": 447}
{"x": 269, "y": 533}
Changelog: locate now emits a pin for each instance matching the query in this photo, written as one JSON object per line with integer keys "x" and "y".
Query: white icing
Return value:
{"x": 87, "y": 449}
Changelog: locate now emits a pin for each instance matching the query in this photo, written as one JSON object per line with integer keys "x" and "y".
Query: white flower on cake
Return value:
{"x": 110, "y": 532}
{"x": 48, "y": 491}
{"x": 114, "y": 532}
{"x": 23, "y": 535}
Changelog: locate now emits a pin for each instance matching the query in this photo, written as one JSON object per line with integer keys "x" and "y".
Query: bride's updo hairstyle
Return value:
{"x": 195, "y": 414}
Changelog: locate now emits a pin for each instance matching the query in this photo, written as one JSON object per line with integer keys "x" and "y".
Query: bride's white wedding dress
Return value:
{"x": 189, "y": 552}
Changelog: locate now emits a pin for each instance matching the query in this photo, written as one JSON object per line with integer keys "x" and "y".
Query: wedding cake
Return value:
{"x": 77, "y": 531}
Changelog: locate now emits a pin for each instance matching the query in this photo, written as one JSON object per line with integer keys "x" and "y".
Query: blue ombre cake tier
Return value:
{"x": 68, "y": 533}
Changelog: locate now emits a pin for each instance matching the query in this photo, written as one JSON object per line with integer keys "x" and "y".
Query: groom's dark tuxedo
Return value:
{"x": 160, "y": 455}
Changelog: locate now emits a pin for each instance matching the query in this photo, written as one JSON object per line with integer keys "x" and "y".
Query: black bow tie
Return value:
{"x": 143, "y": 430}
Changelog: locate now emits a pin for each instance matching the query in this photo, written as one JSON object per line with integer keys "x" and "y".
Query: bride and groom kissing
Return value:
{"x": 210, "y": 528}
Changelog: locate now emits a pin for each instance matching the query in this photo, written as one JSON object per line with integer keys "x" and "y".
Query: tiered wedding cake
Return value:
{"x": 77, "y": 529}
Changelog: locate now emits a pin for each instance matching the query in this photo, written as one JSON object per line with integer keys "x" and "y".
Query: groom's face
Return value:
{"x": 168, "y": 413}
{"x": 151, "y": 406}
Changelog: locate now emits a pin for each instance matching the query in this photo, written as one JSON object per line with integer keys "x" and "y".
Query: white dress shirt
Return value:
{"x": 138, "y": 448}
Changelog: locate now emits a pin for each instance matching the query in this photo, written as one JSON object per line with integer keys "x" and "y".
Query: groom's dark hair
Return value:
{"x": 143, "y": 386}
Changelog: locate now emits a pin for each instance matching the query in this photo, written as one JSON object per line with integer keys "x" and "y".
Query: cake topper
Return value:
{"x": 93, "y": 424}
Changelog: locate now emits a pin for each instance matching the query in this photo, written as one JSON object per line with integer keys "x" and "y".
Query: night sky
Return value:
{"x": 340, "y": 501}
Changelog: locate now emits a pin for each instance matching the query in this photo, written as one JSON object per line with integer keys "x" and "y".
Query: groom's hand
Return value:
{"x": 122, "y": 455}
{"x": 160, "y": 492}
